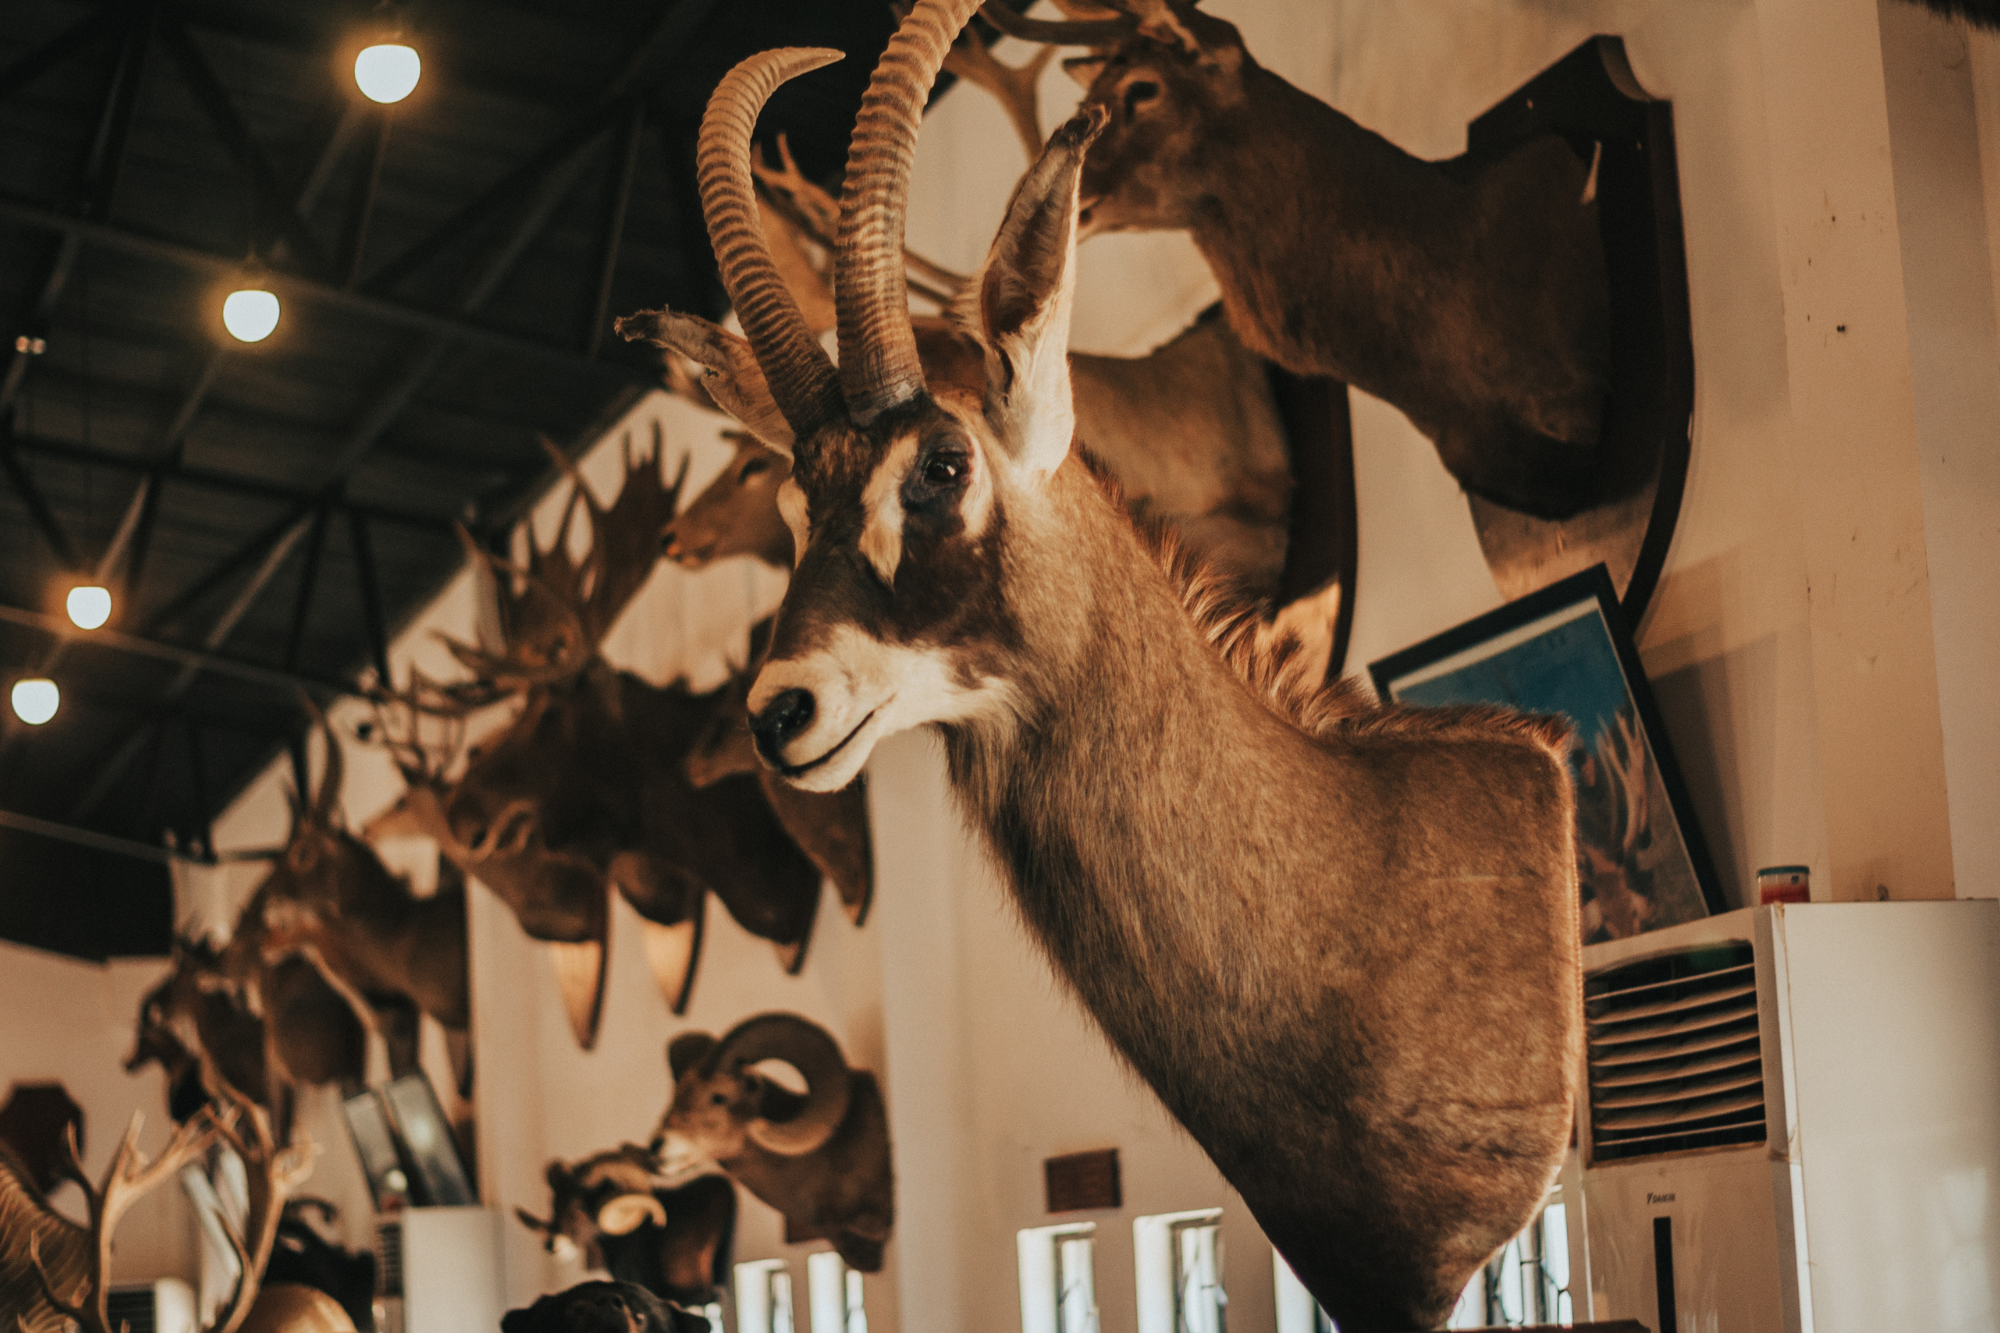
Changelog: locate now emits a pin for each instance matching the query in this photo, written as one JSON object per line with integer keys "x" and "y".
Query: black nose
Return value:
{"x": 783, "y": 718}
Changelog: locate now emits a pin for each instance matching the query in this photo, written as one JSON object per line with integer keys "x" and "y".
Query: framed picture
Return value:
{"x": 1641, "y": 860}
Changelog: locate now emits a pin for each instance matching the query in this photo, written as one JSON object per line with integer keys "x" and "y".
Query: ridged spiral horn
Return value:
{"x": 806, "y": 1047}
{"x": 879, "y": 368}
{"x": 801, "y": 379}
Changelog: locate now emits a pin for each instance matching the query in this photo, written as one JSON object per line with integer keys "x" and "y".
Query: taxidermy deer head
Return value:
{"x": 1474, "y": 298}
{"x": 1277, "y": 900}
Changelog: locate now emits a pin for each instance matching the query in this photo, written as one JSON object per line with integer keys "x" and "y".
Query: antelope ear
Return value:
{"x": 1025, "y": 292}
{"x": 628, "y": 1212}
{"x": 730, "y": 370}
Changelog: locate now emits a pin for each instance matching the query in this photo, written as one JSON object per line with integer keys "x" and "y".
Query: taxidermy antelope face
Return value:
{"x": 905, "y": 499}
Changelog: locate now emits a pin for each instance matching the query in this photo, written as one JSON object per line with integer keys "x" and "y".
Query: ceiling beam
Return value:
{"x": 613, "y": 228}
{"x": 227, "y": 483}
{"x": 307, "y": 291}
{"x": 45, "y": 519}
{"x": 57, "y": 49}
{"x": 275, "y": 200}
{"x": 256, "y": 673}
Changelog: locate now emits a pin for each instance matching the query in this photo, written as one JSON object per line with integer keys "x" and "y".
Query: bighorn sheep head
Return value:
{"x": 723, "y": 1105}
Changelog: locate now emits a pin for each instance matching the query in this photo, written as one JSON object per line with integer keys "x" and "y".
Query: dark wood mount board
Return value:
{"x": 1591, "y": 99}
{"x": 1322, "y": 543}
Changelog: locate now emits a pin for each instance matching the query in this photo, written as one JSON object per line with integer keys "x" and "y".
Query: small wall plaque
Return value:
{"x": 1082, "y": 1180}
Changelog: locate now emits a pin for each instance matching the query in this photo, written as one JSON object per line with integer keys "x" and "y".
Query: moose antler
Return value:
{"x": 556, "y": 609}
{"x": 1155, "y": 19}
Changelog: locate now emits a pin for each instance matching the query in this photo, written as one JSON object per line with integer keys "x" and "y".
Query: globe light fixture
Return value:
{"x": 388, "y": 71}
{"x": 89, "y": 606}
{"x": 36, "y": 700}
{"x": 250, "y": 314}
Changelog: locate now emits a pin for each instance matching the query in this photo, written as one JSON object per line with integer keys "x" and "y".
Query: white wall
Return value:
{"x": 988, "y": 1065}
{"x": 71, "y": 1022}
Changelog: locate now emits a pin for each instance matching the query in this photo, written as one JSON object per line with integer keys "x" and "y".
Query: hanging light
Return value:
{"x": 36, "y": 700}
{"x": 250, "y": 314}
{"x": 89, "y": 606}
{"x": 388, "y": 71}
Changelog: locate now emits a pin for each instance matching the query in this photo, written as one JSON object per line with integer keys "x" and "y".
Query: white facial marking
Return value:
{"x": 864, "y": 689}
{"x": 882, "y": 503}
{"x": 792, "y": 508}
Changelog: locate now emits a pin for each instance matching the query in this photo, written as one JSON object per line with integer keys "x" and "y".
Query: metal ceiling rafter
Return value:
{"x": 611, "y": 235}
{"x": 96, "y": 183}
{"x": 56, "y": 50}
{"x": 289, "y": 286}
{"x": 308, "y": 584}
{"x": 276, "y": 202}
{"x": 231, "y": 484}
{"x": 137, "y": 645}
{"x": 218, "y": 634}
{"x": 44, "y": 518}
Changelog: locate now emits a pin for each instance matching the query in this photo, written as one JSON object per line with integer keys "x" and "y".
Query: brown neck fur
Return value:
{"x": 1239, "y": 982}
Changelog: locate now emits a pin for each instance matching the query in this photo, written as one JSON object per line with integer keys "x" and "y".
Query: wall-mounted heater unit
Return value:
{"x": 1792, "y": 1122}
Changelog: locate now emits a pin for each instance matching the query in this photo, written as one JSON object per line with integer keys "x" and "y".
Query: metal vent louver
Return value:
{"x": 132, "y": 1307}
{"x": 1674, "y": 1057}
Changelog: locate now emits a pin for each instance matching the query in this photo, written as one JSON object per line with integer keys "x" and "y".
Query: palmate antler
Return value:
{"x": 556, "y": 609}
{"x": 232, "y": 1119}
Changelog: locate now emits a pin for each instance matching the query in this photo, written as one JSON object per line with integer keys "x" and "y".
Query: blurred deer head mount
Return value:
{"x": 588, "y": 787}
{"x": 1472, "y": 295}
{"x": 329, "y": 898}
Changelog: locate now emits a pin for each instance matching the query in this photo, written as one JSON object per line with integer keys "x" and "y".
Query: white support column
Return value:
{"x": 1855, "y": 449}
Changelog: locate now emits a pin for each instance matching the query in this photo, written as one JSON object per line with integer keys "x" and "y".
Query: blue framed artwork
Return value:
{"x": 1641, "y": 861}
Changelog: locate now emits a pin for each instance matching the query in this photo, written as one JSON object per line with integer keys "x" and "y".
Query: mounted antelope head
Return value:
{"x": 821, "y": 1156}
{"x": 1472, "y": 295}
{"x": 1277, "y": 900}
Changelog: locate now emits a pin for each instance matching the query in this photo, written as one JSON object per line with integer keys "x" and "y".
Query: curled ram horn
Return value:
{"x": 806, "y": 1047}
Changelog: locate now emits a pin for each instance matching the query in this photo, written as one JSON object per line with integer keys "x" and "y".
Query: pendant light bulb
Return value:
{"x": 36, "y": 700}
{"x": 89, "y": 606}
{"x": 388, "y": 71}
{"x": 250, "y": 314}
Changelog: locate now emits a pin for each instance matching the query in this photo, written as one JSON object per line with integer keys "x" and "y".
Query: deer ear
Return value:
{"x": 1025, "y": 292}
{"x": 1084, "y": 69}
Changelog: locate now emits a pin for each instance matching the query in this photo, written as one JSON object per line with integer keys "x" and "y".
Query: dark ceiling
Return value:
{"x": 267, "y": 515}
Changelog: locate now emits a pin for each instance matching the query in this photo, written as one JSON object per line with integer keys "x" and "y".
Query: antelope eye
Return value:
{"x": 944, "y": 469}
{"x": 718, "y": 1099}
{"x": 753, "y": 467}
{"x": 1138, "y": 93}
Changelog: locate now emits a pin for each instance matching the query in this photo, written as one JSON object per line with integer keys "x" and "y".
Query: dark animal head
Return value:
{"x": 610, "y": 1194}
{"x": 611, "y": 1211}
{"x": 724, "y": 1106}
{"x": 1169, "y": 78}
{"x": 905, "y": 495}
{"x": 602, "y": 1307}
